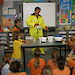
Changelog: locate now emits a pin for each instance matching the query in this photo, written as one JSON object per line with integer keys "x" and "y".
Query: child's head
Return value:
{"x": 61, "y": 62}
{"x": 7, "y": 58}
{"x": 15, "y": 66}
{"x": 54, "y": 54}
{"x": 17, "y": 22}
{"x": 21, "y": 36}
{"x": 46, "y": 70}
{"x": 73, "y": 37}
{"x": 18, "y": 35}
{"x": 37, "y": 53}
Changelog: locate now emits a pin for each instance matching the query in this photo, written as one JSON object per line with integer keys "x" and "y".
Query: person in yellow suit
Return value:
{"x": 36, "y": 23}
{"x": 17, "y": 43}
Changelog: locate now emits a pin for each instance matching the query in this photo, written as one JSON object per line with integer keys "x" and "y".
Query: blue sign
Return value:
{"x": 66, "y": 4}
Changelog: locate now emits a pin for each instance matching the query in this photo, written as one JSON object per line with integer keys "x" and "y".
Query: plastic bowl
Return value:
{"x": 43, "y": 39}
{"x": 58, "y": 38}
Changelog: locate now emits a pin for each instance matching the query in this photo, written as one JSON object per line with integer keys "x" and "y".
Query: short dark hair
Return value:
{"x": 16, "y": 34}
{"x": 37, "y": 8}
{"x": 16, "y": 20}
{"x": 15, "y": 66}
{"x": 37, "y": 52}
{"x": 61, "y": 62}
{"x": 7, "y": 58}
{"x": 54, "y": 52}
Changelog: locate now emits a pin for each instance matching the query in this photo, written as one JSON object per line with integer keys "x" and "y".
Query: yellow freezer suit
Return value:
{"x": 34, "y": 32}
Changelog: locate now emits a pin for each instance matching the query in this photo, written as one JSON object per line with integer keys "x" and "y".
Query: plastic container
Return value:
{"x": 58, "y": 38}
{"x": 50, "y": 38}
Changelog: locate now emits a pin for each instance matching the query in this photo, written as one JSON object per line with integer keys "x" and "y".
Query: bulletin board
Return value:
{"x": 47, "y": 12}
{"x": 65, "y": 12}
{"x": 73, "y": 12}
{"x": 8, "y": 20}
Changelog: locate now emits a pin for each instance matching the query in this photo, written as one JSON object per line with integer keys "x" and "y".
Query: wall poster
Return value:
{"x": 73, "y": 12}
{"x": 65, "y": 12}
{"x": 8, "y": 22}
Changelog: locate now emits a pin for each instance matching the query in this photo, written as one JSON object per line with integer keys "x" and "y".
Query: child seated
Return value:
{"x": 71, "y": 41}
{"x": 71, "y": 44}
{"x": 62, "y": 69}
{"x": 15, "y": 68}
{"x": 52, "y": 62}
{"x": 7, "y": 61}
{"x": 71, "y": 63}
{"x": 36, "y": 64}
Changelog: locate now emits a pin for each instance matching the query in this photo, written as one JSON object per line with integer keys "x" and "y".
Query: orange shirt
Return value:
{"x": 16, "y": 28}
{"x": 52, "y": 64}
{"x": 57, "y": 71}
{"x": 35, "y": 71}
{"x": 72, "y": 64}
{"x": 20, "y": 73}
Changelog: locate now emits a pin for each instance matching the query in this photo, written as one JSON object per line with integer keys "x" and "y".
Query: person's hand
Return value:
{"x": 46, "y": 28}
{"x": 36, "y": 24}
{"x": 24, "y": 41}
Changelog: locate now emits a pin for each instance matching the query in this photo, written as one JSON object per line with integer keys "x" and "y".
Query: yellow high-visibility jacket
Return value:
{"x": 31, "y": 21}
{"x": 17, "y": 53}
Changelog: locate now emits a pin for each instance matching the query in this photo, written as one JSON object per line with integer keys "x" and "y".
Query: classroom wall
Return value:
{"x": 16, "y": 5}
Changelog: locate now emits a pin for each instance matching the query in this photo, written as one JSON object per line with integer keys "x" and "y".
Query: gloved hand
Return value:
{"x": 46, "y": 28}
{"x": 36, "y": 24}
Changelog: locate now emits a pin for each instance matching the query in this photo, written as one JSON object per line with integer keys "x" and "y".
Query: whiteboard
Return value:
{"x": 47, "y": 12}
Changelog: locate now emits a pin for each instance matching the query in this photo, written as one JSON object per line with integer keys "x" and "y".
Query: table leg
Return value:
{"x": 65, "y": 51}
{"x": 60, "y": 50}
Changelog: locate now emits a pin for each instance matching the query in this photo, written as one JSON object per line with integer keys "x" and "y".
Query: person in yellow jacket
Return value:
{"x": 17, "y": 43}
{"x": 36, "y": 23}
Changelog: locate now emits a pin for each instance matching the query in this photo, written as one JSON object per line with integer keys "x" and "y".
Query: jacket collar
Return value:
{"x": 34, "y": 14}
